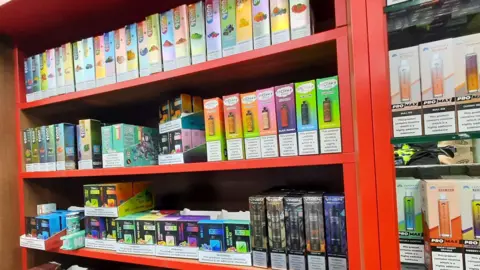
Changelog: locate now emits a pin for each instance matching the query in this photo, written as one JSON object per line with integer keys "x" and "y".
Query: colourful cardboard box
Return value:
{"x": 180, "y": 105}
{"x": 154, "y": 44}
{"x": 228, "y": 26}
{"x": 68, "y": 68}
{"x": 59, "y": 71}
{"x": 90, "y": 144}
{"x": 42, "y": 147}
{"x": 143, "y": 60}
{"x": 300, "y": 19}
{"x": 336, "y": 231}
{"x": 89, "y": 63}
{"x": 244, "y": 26}
{"x": 267, "y": 122}
{"x": 213, "y": 29}
{"x": 307, "y": 124}
{"x": 93, "y": 195}
{"x": 51, "y": 73}
{"x": 232, "y": 109}
{"x": 132, "y": 51}
{"x": 214, "y": 129}
{"x": 280, "y": 20}
{"x": 329, "y": 121}
{"x": 65, "y": 147}
{"x": 51, "y": 148}
{"x": 212, "y": 235}
{"x": 261, "y": 24}
{"x": 197, "y": 104}
{"x": 181, "y": 32}
{"x": 95, "y": 228}
{"x": 100, "y": 69}
{"x": 196, "y": 19}
{"x": 27, "y": 149}
{"x": 251, "y": 131}
{"x": 121, "y": 55}
{"x": 167, "y": 40}
{"x": 116, "y": 194}
{"x": 78, "y": 65}
{"x": 44, "y": 75}
{"x": 164, "y": 112}
{"x": 35, "y": 150}
{"x": 109, "y": 51}
{"x": 286, "y": 120}
{"x": 28, "y": 79}
{"x": 36, "y": 86}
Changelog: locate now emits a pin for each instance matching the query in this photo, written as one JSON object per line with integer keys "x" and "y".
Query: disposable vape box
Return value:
{"x": 259, "y": 233}
{"x": 154, "y": 44}
{"x": 186, "y": 139}
{"x": 141, "y": 186}
{"x": 189, "y": 230}
{"x": 314, "y": 230}
{"x": 51, "y": 147}
{"x": 35, "y": 150}
{"x": 95, "y": 228}
{"x": 295, "y": 231}
{"x": 335, "y": 231}
{"x": 410, "y": 224}
{"x": 132, "y": 51}
{"x": 44, "y": 75}
{"x": 146, "y": 230}
{"x": 181, "y": 104}
{"x": 164, "y": 145}
{"x": 307, "y": 124}
{"x": 237, "y": 236}
{"x": 117, "y": 193}
{"x": 90, "y": 144}
{"x": 213, "y": 29}
{"x": 31, "y": 227}
{"x": 89, "y": 62}
{"x": 79, "y": 66}
{"x": 79, "y": 143}
{"x": 180, "y": 141}
{"x": 328, "y": 102}
{"x": 126, "y": 233}
{"x": 47, "y": 208}
{"x": 36, "y": 86}
{"x": 111, "y": 228}
{"x": 280, "y": 20}
{"x": 143, "y": 60}
{"x": 51, "y": 73}
{"x": 109, "y": 54}
{"x": 196, "y": 20}
{"x": 27, "y": 149}
{"x": 405, "y": 92}
{"x": 68, "y": 68}
{"x": 300, "y": 19}
{"x": 27, "y": 64}
{"x": 212, "y": 235}
{"x": 442, "y": 223}
{"x": 276, "y": 231}
{"x": 47, "y": 225}
{"x": 167, "y": 231}
{"x": 228, "y": 26}
{"x": 198, "y": 137}
{"x": 93, "y": 195}
{"x": 467, "y": 85}
{"x": 214, "y": 129}
{"x": 261, "y": 23}
{"x": 65, "y": 147}
{"x": 121, "y": 54}
{"x": 181, "y": 33}
{"x": 167, "y": 40}
{"x": 286, "y": 120}
{"x": 233, "y": 127}
{"x": 437, "y": 71}
{"x": 251, "y": 131}
{"x": 244, "y": 26}
{"x": 59, "y": 71}
{"x": 100, "y": 69}
{"x": 164, "y": 112}
{"x": 267, "y": 121}
{"x": 42, "y": 148}
{"x": 197, "y": 104}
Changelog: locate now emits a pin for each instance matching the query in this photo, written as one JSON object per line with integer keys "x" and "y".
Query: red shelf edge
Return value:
{"x": 324, "y": 159}
{"x": 317, "y": 38}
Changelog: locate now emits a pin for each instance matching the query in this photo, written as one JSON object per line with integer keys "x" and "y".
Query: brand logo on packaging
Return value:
{"x": 25, "y": 137}
{"x": 256, "y": 2}
{"x": 328, "y": 84}
{"x": 229, "y": 101}
{"x": 211, "y": 104}
{"x": 128, "y": 34}
{"x": 58, "y": 55}
{"x": 49, "y": 58}
{"x": 176, "y": 18}
{"x": 209, "y": 13}
{"x": 267, "y": 95}
{"x": 97, "y": 45}
{"x": 34, "y": 64}
{"x": 306, "y": 88}
{"x": 39, "y": 136}
{"x": 26, "y": 66}
{"x": 140, "y": 27}
{"x": 117, "y": 39}
{"x": 44, "y": 58}
{"x": 57, "y": 133}
{"x": 47, "y": 135}
{"x": 164, "y": 23}
{"x": 82, "y": 131}
{"x": 192, "y": 16}
{"x": 224, "y": 7}
{"x": 106, "y": 42}
{"x": 249, "y": 99}
{"x": 149, "y": 26}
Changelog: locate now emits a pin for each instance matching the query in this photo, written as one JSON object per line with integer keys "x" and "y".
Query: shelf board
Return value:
{"x": 436, "y": 138}
{"x": 326, "y": 159}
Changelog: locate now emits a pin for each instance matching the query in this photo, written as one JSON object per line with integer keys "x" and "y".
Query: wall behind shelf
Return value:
{"x": 9, "y": 227}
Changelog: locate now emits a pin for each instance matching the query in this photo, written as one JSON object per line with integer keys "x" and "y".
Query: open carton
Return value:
{"x": 51, "y": 243}
{"x": 141, "y": 201}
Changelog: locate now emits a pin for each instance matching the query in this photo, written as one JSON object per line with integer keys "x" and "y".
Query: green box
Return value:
{"x": 307, "y": 123}
{"x": 42, "y": 147}
{"x": 27, "y": 149}
{"x": 51, "y": 153}
{"x": 90, "y": 144}
{"x": 35, "y": 150}
{"x": 329, "y": 115}
{"x": 229, "y": 26}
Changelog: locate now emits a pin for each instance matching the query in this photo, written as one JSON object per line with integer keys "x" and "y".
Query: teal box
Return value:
{"x": 229, "y": 26}
{"x": 89, "y": 62}
{"x": 51, "y": 145}
{"x": 66, "y": 151}
{"x": 307, "y": 121}
{"x": 328, "y": 102}
{"x": 237, "y": 236}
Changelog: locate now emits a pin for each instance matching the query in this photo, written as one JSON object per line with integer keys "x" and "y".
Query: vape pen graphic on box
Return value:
{"x": 284, "y": 115}
{"x": 249, "y": 118}
{"x": 471, "y": 65}
{"x": 437, "y": 75}
{"x": 444, "y": 216}
{"x": 294, "y": 229}
{"x": 257, "y": 226}
{"x": 336, "y": 229}
{"x": 409, "y": 211}
{"x": 276, "y": 228}
{"x": 327, "y": 110}
{"x": 404, "y": 80}
{"x": 266, "y": 119}
{"x": 211, "y": 125}
{"x": 111, "y": 197}
{"x": 231, "y": 123}
{"x": 476, "y": 215}
{"x": 315, "y": 229}
{"x": 305, "y": 116}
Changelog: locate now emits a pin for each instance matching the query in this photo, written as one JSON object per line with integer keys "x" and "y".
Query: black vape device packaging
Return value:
{"x": 295, "y": 231}
{"x": 167, "y": 232}
{"x": 146, "y": 232}
{"x": 259, "y": 232}
{"x": 111, "y": 228}
{"x": 314, "y": 230}
{"x": 335, "y": 231}
{"x": 277, "y": 244}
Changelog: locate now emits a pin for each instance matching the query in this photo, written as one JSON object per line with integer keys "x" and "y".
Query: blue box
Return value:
{"x": 212, "y": 235}
{"x": 89, "y": 62}
{"x": 48, "y": 225}
{"x": 95, "y": 228}
{"x": 335, "y": 230}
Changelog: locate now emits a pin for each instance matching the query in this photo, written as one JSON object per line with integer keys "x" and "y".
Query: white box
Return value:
{"x": 393, "y": 2}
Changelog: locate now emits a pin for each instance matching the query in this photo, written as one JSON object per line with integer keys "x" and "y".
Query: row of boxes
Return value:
{"x": 44, "y": 226}
{"x": 111, "y": 195}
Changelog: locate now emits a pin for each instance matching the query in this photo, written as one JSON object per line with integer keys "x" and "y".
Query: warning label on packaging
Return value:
{"x": 412, "y": 253}
{"x": 439, "y": 120}
{"x": 447, "y": 260}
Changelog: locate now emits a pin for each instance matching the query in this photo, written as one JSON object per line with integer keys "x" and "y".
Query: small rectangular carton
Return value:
{"x": 121, "y": 54}
{"x": 27, "y": 149}
{"x": 95, "y": 228}
{"x": 442, "y": 223}
{"x": 212, "y": 235}
{"x": 65, "y": 147}
{"x": 181, "y": 33}
{"x": 437, "y": 71}
{"x": 196, "y": 19}
{"x": 47, "y": 225}
{"x": 467, "y": 82}
{"x": 197, "y": 104}
{"x": 79, "y": 66}
{"x": 50, "y": 139}
{"x": 116, "y": 193}
{"x": 300, "y": 19}
{"x": 307, "y": 124}
{"x": 51, "y": 73}
{"x": 44, "y": 75}
{"x": 35, "y": 150}
{"x": 27, "y": 64}
{"x": 146, "y": 229}
{"x": 237, "y": 236}
{"x": 164, "y": 112}
{"x": 295, "y": 229}
{"x": 259, "y": 233}
{"x": 233, "y": 127}
{"x": 164, "y": 144}
{"x": 93, "y": 195}
{"x": 189, "y": 230}
{"x": 335, "y": 231}
{"x": 280, "y": 20}
{"x": 181, "y": 104}
{"x": 213, "y": 29}
{"x": 31, "y": 227}
{"x": 89, "y": 62}
{"x": 167, "y": 40}
{"x": 90, "y": 144}
{"x": 244, "y": 26}
{"x": 267, "y": 122}
{"x": 109, "y": 52}
{"x": 314, "y": 230}
{"x": 250, "y": 125}
{"x": 286, "y": 120}
{"x": 154, "y": 44}
{"x": 132, "y": 51}
{"x": 100, "y": 70}
{"x": 43, "y": 209}
{"x": 36, "y": 86}
{"x": 167, "y": 231}
{"x": 42, "y": 147}
{"x": 410, "y": 223}
{"x": 469, "y": 209}
{"x": 328, "y": 102}
{"x": 111, "y": 228}
{"x": 214, "y": 129}
{"x": 143, "y": 62}
{"x": 198, "y": 137}
{"x": 126, "y": 230}
{"x": 68, "y": 68}
{"x": 59, "y": 71}
{"x": 276, "y": 231}
{"x": 180, "y": 141}
{"x": 261, "y": 24}
{"x": 228, "y": 27}
{"x": 405, "y": 92}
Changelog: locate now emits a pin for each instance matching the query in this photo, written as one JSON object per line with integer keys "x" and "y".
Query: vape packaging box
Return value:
{"x": 100, "y": 72}
{"x": 237, "y": 236}
{"x": 79, "y": 66}
{"x": 300, "y": 19}
{"x": 141, "y": 186}
{"x": 286, "y": 120}
{"x": 267, "y": 122}
{"x": 35, "y": 150}
{"x": 251, "y": 131}
{"x": 213, "y": 29}
{"x": 95, "y": 228}
{"x": 442, "y": 222}
{"x": 155, "y": 43}
{"x": 164, "y": 112}
{"x": 212, "y": 235}
{"x": 196, "y": 20}
{"x": 126, "y": 233}
{"x": 228, "y": 27}
{"x": 109, "y": 55}
{"x": 117, "y": 193}
{"x": 189, "y": 230}
{"x": 467, "y": 83}
{"x": 197, "y": 104}
{"x": 31, "y": 227}
{"x": 89, "y": 63}
{"x": 48, "y": 225}
{"x": 198, "y": 137}
{"x": 111, "y": 228}
{"x": 59, "y": 71}
{"x": 261, "y": 24}
{"x": 335, "y": 231}
{"x": 28, "y": 78}
{"x": 314, "y": 230}
{"x": 181, "y": 104}
{"x": 280, "y": 20}
{"x": 233, "y": 127}
{"x": 437, "y": 71}
{"x": 328, "y": 102}
{"x": 51, "y": 147}
{"x": 146, "y": 230}
{"x": 47, "y": 208}
{"x": 259, "y": 233}
{"x": 167, "y": 40}
{"x": 44, "y": 75}
{"x": 410, "y": 226}
{"x": 167, "y": 231}
{"x": 132, "y": 51}
{"x": 181, "y": 32}
{"x": 405, "y": 92}
{"x": 214, "y": 129}
{"x": 36, "y": 86}
{"x": 90, "y": 144}
{"x": 307, "y": 124}
{"x": 42, "y": 147}
{"x": 276, "y": 231}
{"x": 244, "y": 26}
{"x": 295, "y": 231}
{"x": 121, "y": 55}
{"x": 93, "y": 195}
{"x": 65, "y": 147}
{"x": 164, "y": 145}
{"x": 470, "y": 215}
{"x": 68, "y": 68}
{"x": 27, "y": 149}
{"x": 179, "y": 141}
{"x": 143, "y": 62}
{"x": 51, "y": 73}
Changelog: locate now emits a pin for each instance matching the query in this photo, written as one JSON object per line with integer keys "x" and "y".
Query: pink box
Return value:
{"x": 186, "y": 140}
{"x": 198, "y": 137}
{"x": 267, "y": 122}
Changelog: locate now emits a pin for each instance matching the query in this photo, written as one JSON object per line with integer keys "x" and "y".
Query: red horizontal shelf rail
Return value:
{"x": 322, "y": 37}
{"x": 327, "y": 159}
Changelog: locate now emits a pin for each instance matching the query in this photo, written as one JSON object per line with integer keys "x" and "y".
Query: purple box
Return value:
{"x": 286, "y": 120}
{"x": 95, "y": 228}
{"x": 335, "y": 229}
{"x": 188, "y": 230}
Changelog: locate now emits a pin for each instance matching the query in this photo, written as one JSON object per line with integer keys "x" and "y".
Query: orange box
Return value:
{"x": 251, "y": 131}
{"x": 140, "y": 186}
{"x": 117, "y": 193}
